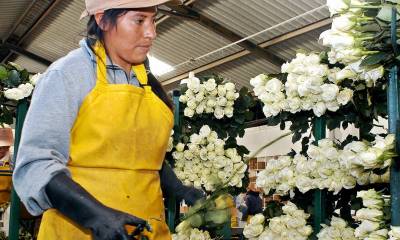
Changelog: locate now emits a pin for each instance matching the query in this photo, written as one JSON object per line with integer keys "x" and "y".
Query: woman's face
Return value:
{"x": 129, "y": 42}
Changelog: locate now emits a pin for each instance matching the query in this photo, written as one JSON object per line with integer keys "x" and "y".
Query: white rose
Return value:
{"x": 320, "y": 70}
{"x": 179, "y": 147}
{"x": 229, "y": 111}
{"x": 274, "y": 85}
{"x": 219, "y": 112}
{"x": 344, "y": 22}
{"x": 210, "y": 85}
{"x": 199, "y": 96}
{"x": 319, "y": 109}
{"x": 369, "y": 214}
{"x": 230, "y": 95}
{"x": 346, "y": 73}
{"x": 35, "y": 78}
{"x": 177, "y": 155}
{"x": 365, "y": 228}
{"x": 221, "y": 101}
{"x": 329, "y": 92}
{"x": 221, "y": 90}
{"x": 183, "y": 98}
{"x": 200, "y": 108}
{"x": 230, "y": 87}
{"x": 345, "y": 96}
{"x": 191, "y": 104}
{"x": 336, "y": 39}
{"x": 188, "y": 112}
{"x": 193, "y": 84}
{"x": 259, "y": 80}
{"x": 253, "y": 231}
{"x": 332, "y": 106}
{"x": 14, "y": 94}
{"x": 257, "y": 219}
{"x": 205, "y": 131}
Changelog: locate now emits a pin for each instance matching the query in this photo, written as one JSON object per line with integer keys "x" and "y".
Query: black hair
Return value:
{"x": 95, "y": 33}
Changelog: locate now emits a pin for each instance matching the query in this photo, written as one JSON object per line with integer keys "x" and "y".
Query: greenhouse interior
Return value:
{"x": 255, "y": 119}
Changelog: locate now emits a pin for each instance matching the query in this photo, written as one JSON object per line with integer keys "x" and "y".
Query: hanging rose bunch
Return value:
{"x": 337, "y": 230}
{"x": 208, "y": 97}
{"x": 360, "y": 38}
{"x": 307, "y": 87}
{"x": 279, "y": 175}
{"x": 361, "y": 158}
{"x": 291, "y": 225}
{"x": 204, "y": 161}
{"x": 371, "y": 216}
{"x": 15, "y": 85}
{"x": 192, "y": 234}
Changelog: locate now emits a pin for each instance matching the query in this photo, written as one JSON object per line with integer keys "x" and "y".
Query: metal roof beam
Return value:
{"x": 32, "y": 28}
{"x": 191, "y": 14}
{"x": 18, "y": 50}
{"x": 271, "y": 42}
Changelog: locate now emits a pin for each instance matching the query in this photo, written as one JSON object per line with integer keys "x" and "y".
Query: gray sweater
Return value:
{"x": 45, "y": 142}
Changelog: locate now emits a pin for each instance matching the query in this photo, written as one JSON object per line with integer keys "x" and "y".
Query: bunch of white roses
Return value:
{"x": 306, "y": 88}
{"x": 328, "y": 167}
{"x": 208, "y": 97}
{"x": 371, "y": 216}
{"x": 361, "y": 157}
{"x": 279, "y": 175}
{"x": 192, "y": 234}
{"x": 291, "y": 225}
{"x": 204, "y": 161}
{"x": 337, "y": 230}
{"x": 346, "y": 41}
{"x": 23, "y": 90}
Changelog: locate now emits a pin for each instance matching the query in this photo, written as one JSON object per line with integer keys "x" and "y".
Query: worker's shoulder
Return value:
{"x": 76, "y": 62}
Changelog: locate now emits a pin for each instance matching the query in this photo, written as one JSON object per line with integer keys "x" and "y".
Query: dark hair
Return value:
{"x": 95, "y": 33}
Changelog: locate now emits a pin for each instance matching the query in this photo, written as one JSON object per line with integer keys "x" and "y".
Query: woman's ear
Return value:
{"x": 98, "y": 17}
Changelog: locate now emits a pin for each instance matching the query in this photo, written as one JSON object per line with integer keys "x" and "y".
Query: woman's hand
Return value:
{"x": 76, "y": 203}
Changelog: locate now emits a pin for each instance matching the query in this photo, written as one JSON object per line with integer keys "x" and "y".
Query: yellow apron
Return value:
{"x": 118, "y": 143}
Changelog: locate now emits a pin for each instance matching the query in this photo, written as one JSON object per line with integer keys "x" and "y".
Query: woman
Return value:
{"x": 93, "y": 143}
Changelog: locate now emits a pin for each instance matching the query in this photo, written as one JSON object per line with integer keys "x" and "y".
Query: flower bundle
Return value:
{"x": 371, "y": 216}
{"x": 208, "y": 97}
{"x": 291, "y": 225}
{"x": 337, "y": 230}
{"x": 308, "y": 87}
{"x": 204, "y": 161}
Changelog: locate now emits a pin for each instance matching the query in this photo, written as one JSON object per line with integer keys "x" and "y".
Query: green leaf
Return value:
{"x": 3, "y": 73}
{"x": 249, "y": 115}
{"x": 296, "y": 137}
{"x": 374, "y": 59}
{"x": 385, "y": 14}
{"x": 24, "y": 75}
{"x": 14, "y": 78}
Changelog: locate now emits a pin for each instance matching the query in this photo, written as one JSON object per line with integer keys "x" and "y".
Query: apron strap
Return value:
{"x": 101, "y": 63}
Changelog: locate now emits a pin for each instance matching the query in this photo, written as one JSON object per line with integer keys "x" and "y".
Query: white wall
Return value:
{"x": 257, "y": 137}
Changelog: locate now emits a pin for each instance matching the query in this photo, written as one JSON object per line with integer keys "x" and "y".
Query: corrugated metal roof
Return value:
{"x": 10, "y": 11}
{"x": 31, "y": 65}
{"x": 60, "y": 32}
{"x": 249, "y": 17}
{"x": 179, "y": 40}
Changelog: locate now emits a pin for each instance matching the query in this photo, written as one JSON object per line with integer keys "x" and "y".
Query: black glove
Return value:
{"x": 170, "y": 184}
{"x": 76, "y": 203}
